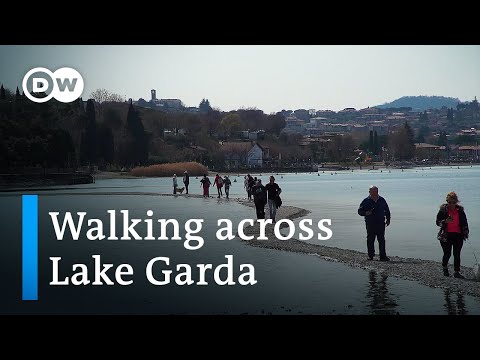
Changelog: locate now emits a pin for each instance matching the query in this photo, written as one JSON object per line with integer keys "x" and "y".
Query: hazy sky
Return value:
{"x": 270, "y": 78}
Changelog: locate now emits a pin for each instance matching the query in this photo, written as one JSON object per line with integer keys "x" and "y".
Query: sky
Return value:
{"x": 270, "y": 78}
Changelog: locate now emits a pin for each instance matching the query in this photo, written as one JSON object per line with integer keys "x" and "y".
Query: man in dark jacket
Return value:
{"x": 377, "y": 215}
{"x": 260, "y": 199}
{"x": 274, "y": 201}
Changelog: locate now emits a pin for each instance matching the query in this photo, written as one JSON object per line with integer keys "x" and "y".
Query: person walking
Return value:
{"x": 205, "y": 182}
{"x": 377, "y": 215}
{"x": 219, "y": 182}
{"x": 175, "y": 183}
{"x": 250, "y": 185}
{"x": 227, "y": 183}
{"x": 186, "y": 181}
{"x": 453, "y": 232}
{"x": 274, "y": 192}
{"x": 260, "y": 199}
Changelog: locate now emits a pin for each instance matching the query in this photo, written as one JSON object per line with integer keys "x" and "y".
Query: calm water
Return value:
{"x": 288, "y": 283}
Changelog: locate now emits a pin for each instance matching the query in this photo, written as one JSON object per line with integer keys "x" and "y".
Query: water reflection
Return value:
{"x": 381, "y": 302}
{"x": 456, "y": 307}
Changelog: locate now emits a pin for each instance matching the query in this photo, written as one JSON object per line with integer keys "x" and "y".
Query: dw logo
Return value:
{"x": 65, "y": 84}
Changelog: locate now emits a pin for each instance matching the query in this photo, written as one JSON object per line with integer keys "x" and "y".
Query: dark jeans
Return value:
{"x": 186, "y": 188}
{"x": 378, "y": 231}
{"x": 454, "y": 240}
{"x": 260, "y": 207}
{"x": 174, "y": 189}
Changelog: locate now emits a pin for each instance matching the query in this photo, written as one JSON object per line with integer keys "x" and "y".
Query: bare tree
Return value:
{"x": 103, "y": 95}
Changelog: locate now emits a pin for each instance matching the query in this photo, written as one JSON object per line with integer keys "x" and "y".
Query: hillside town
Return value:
{"x": 111, "y": 134}
{"x": 436, "y": 135}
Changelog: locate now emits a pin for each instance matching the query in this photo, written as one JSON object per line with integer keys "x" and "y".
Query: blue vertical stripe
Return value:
{"x": 29, "y": 247}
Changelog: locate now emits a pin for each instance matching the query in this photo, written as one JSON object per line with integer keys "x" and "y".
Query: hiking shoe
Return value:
{"x": 445, "y": 272}
{"x": 457, "y": 275}
{"x": 385, "y": 259}
{"x": 370, "y": 258}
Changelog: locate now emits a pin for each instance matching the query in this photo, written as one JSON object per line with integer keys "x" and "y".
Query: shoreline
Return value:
{"x": 265, "y": 172}
{"x": 108, "y": 175}
{"x": 425, "y": 272}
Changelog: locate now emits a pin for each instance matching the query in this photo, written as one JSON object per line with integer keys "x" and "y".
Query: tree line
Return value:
{"x": 111, "y": 131}
{"x": 55, "y": 134}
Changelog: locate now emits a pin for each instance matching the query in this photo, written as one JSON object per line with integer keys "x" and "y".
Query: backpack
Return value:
{"x": 278, "y": 201}
{"x": 259, "y": 194}
{"x": 220, "y": 182}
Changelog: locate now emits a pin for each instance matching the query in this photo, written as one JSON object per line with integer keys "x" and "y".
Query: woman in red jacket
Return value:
{"x": 454, "y": 226}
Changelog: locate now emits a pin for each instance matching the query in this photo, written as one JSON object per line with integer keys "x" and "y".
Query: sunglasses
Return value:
{"x": 452, "y": 202}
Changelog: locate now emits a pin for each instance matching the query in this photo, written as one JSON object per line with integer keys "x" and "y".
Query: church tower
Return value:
{"x": 154, "y": 94}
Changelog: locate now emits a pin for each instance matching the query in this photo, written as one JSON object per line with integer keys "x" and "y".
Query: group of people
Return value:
{"x": 451, "y": 219}
{"x": 262, "y": 195}
{"x": 219, "y": 183}
{"x": 205, "y": 183}
{"x": 186, "y": 182}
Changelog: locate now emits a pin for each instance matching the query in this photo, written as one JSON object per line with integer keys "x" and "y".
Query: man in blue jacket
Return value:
{"x": 377, "y": 215}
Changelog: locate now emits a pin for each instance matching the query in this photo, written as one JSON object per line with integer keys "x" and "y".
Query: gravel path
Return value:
{"x": 426, "y": 272}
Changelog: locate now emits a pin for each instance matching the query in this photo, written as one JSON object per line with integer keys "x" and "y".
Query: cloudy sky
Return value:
{"x": 270, "y": 78}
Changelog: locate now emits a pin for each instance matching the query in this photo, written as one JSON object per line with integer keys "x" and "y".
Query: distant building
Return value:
{"x": 360, "y": 129}
{"x": 316, "y": 121}
{"x": 379, "y": 127}
{"x": 245, "y": 154}
{"x": 469, "y": 152}
{"x": 235, "y": 153}
{"x": 172, "y": 103}
{"x": 292, "y": 124}
{"x": 256, "y": 135}
{"x": 427, "y": 151}
{"x": 468, "y": 132}
{"x": 302, "y": 114}
{"x": 256, "y": 155}
{"x": 163, "y": 104}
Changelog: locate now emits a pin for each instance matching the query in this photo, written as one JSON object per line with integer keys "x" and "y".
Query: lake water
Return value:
{"x": 288, "y": 283}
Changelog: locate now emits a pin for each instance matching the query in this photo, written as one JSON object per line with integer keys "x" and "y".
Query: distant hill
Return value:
{"x": 421, "y": 103}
